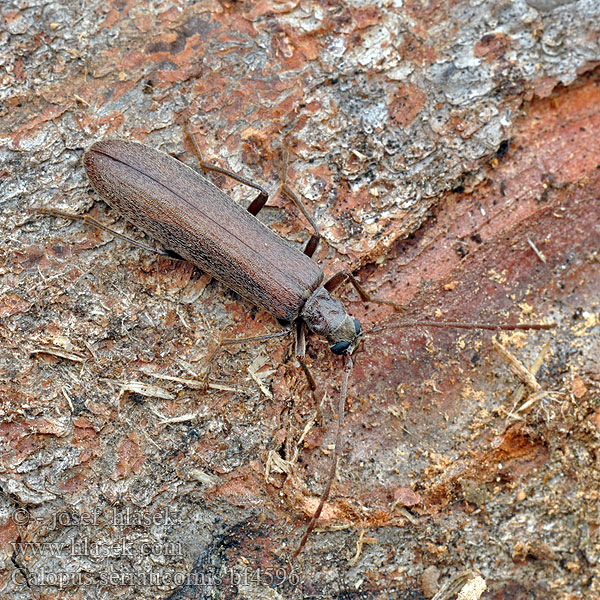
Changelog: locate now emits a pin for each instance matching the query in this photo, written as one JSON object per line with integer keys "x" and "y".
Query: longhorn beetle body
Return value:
{"x": 195, "y": 219}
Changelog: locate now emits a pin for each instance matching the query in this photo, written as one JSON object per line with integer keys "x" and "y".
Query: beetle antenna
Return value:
{"x": 336, "y": 456}
{"x": 464, "y": 325}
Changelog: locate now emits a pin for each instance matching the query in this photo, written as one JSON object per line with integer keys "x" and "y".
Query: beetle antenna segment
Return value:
{"x": 464, "y": 325}
{"x": 336, "y": 456}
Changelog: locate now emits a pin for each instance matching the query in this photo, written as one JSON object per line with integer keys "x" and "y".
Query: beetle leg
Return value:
{"x": 300, "y": 353}
{"x": 94, "y": 223}
{"x": 342, "y": 276}
{"x": 257, "y": 203}
{"x": 312, "y": 244}
{"x": 257, "y": 338}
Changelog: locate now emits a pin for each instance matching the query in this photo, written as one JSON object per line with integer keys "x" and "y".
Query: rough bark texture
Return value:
{"x": 450, "y": 152}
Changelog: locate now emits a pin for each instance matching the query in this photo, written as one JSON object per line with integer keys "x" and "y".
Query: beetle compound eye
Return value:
{"x": 357, "y": 328}
{"x": 340, "y": 347}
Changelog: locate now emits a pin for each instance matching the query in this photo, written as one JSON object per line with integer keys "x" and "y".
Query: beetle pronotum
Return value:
{"x": 198, "y": 222}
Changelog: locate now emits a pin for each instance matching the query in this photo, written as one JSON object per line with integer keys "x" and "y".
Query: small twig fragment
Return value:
{"x": 517, "y": 367}
{"x": 538, "y": 253}
{"x": 60, "y": 353}
{"x": 143, "y": 389}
